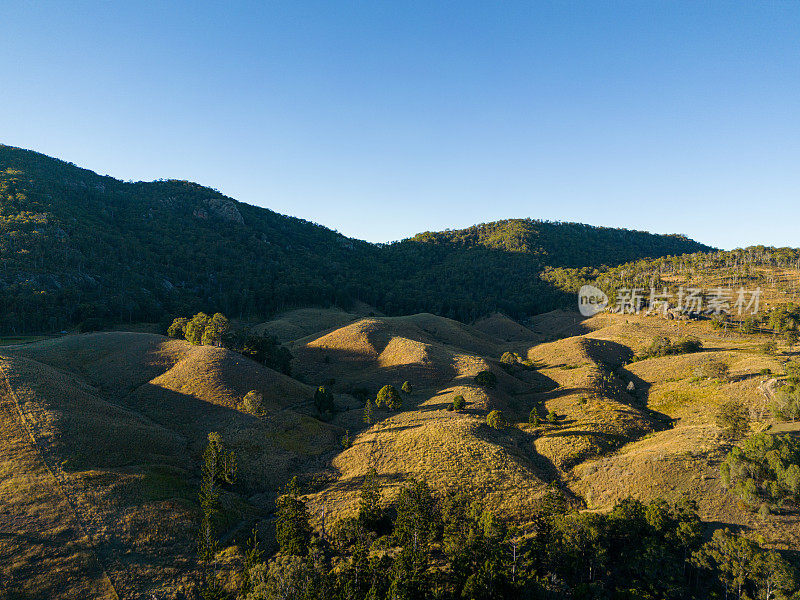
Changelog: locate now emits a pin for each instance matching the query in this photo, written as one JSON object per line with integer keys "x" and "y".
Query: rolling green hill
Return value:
{"x": 79, "y": 247}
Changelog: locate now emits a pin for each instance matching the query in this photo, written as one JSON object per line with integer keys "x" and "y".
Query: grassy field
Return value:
{"x": 102, "y": 433}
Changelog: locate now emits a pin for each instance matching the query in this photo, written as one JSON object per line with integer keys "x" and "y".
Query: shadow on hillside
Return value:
{"x": 269, "y": 451}
{"x": 614, "y": 356}
{"x": 354, "y": 484}
{"x": 609, "y": 437}
{"x": 346, "y": 371}
{"x": 607, "y": 353}
{"x": 520, "y": 444}
{"x": 560, "y": 323}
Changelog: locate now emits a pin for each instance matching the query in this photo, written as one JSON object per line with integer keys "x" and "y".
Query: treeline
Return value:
{"x": 425, "y": 546}
{"x": 749, "y": 267}
{"x": 77, "y": 248}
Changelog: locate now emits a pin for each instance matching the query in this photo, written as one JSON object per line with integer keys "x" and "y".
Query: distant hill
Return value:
{"x": 563, "y": 244}
{"x": 79, "y": 247}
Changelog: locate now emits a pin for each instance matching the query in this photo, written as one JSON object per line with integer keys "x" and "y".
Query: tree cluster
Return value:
{"x": 451, "y": 547}
{"x": 764, "y": 470}
{"x": 663, "y": 346}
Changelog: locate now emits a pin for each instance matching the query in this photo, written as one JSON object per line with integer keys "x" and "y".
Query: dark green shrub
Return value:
{"x": 770, "y": 347}
{"x": 293, "y": 529}
{"x": 389, "y": 397}
{"x": 252, "y": 403}
{"x": 732, "y": 419}
{"x": 458, "y": 402}
{"x": 663, "y": 346}
{"x": 496, "y": 420}
{"x": 716, "y": 369}
{"x": 486, "y": 379}
{"x": 510, "y": 358}
{"x": 346, "y": 441}
{"x": 323, "y": 400}
{"x": 749, "y": 325}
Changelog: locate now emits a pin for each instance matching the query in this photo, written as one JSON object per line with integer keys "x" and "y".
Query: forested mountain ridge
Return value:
{"x": 79, "y": 246}
{"x": 565, "y": 244}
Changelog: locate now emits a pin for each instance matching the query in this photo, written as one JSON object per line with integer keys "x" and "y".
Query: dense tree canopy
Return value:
{"x": 78, "y": 247}
{"x": 765, "y": 468}
{"x": 451, "y": 547}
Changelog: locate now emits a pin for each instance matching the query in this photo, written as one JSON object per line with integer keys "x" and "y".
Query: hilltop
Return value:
{"x": 102, "y": 433}
{"x": 81, "y": 248}
{"x": 515, "y": 424}
{"x": 99, "y": 462}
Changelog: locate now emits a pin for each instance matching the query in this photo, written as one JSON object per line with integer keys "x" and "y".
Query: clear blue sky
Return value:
{"x": 381, "y": 119}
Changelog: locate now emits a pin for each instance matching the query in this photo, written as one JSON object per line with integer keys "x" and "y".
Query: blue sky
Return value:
{"x": 383, "y": 119}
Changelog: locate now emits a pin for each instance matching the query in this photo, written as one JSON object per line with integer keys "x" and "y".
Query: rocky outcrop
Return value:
{"x": 220, "y": 209}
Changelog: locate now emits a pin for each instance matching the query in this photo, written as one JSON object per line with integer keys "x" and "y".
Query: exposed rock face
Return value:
{"x": 222, "y": 209}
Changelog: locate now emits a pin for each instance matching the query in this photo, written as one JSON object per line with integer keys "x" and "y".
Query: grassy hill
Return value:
{"x": 99, "y": 465}
{"x": 78, "y": 247}
{"x": 103, "y": 432}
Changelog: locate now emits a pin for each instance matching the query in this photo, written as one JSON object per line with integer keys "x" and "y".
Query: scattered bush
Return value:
{"x": 265, "y": 350}
{"x": 770, "y": 347}
{"x": 406, "y": 387}
{"x": 687, "y": 345}
{"x": 749, "y": 325}
{"x": 552, "y": 417}
{"x": 253, "y": 403}
{"x": 716, "y": 369}
{"x": 732, "y": 419}
{"x": 510, "y": 361}
{"x": 177, "y": 328}
{"x": 496, "y": 420}
{"x": 486, "y": 379}
{"x": 793, "y": 372}
{"x": 323, "y": 400}
{"x": 663, "y": 346}
{"x": 719, "y": 321}
{"x": 293, "y": 529}
{"x": 367, "y": 416}
{"x": 201, "y": 329}
{"x": 458, "y": 403}
{"x": 785, "y": 404}
{"x": 389, "y": 397}
{"x": 218, "y": 469}
{"x": 533, "y": 417}
{"x": 784, "y": 317}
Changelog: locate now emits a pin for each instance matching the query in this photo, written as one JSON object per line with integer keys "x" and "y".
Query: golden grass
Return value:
{"x": 123, "y": 417}
{"x": 450, "y": 451}
{"x": 295, "y": 324}
{"x": 505, "y": 329}
{"x": 127, "y": 457}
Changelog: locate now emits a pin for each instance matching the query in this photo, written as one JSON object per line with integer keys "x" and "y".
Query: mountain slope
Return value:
{"x": 101, "y": 437}
{"x": 78, "y": 246}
